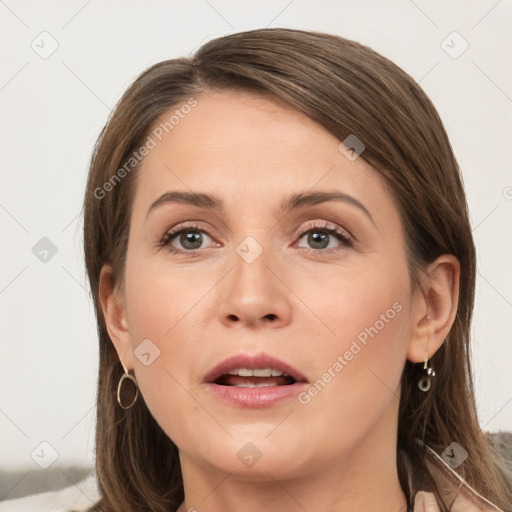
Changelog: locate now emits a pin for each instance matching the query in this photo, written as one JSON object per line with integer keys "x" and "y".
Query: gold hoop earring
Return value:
{"x": 128, "y": 396}
{"x": 424, "y": 383}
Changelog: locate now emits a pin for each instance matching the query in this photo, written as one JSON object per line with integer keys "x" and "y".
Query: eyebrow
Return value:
{"x": 291, "y": 202}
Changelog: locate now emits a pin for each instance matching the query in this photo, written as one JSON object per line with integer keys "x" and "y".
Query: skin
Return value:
{"x": 338, "y": 452}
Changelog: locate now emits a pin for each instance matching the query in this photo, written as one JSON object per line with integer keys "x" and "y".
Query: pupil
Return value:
{"x": 191, "y": 237}
{"x": 315, "y": 238}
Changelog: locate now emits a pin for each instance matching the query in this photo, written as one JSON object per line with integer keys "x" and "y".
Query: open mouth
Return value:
{"x": 253, "y": 371}
{"x": 254, "y": 380}
{"x": 246, "y": 378}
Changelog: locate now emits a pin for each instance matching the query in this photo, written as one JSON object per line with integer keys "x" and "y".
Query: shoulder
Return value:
{"x": 76, "y": 498}
{"x": 453, "y": 489}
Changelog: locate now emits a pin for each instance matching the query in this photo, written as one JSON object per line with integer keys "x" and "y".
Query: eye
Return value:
{"x": 190, "y": 237}
{"x": 320, "y": 235}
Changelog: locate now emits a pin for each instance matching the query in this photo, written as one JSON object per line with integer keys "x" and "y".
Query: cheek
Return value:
{"x": 160, "y": 296}
{"x": 357, "y": 382}
{"x": 342, "y": 303}
{"x": 357, "y": 367}
{"x": 162, "y": 308}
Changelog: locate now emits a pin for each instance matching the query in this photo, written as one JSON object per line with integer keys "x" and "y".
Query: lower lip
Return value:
{"x": 262, "y": 396}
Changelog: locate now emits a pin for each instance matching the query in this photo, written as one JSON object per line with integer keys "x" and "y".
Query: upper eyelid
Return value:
{"x": 200, "y": 226}
{"x": 327, "y": 225}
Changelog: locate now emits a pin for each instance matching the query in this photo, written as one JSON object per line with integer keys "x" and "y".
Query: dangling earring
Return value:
{"x": 130, "y": 391}
{"x": 424, "y": 383}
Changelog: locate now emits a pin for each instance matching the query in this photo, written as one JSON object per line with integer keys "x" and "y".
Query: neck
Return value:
{"x": 366, "y": 479}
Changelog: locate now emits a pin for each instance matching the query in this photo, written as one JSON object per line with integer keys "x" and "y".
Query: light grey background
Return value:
{"x": 53, "y": 109}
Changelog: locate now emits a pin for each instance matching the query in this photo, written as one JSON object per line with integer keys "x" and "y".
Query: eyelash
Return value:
{"x": 323, "y": 227}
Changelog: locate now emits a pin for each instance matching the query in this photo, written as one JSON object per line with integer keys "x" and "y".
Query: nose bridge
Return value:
{"x": 254, "y": 293}
{"x": 251, "y": 275}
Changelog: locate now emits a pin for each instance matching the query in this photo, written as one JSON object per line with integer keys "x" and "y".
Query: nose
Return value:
{"x": 254, "y": 295}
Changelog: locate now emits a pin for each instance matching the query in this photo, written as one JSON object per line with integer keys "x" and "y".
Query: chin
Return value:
{"x": 254, "y": 457}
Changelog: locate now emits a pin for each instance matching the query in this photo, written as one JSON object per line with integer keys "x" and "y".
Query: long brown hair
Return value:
{"x": 349, "y": 89}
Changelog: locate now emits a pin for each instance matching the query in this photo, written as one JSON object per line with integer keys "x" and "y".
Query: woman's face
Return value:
{"x": 258, "y": 275}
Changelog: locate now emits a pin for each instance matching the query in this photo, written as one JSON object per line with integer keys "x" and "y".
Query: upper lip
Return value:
{"x": 252, "y": 362}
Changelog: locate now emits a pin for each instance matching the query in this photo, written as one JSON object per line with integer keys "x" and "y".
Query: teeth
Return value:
{"x": 267, "y": 372}
{"x": 248, "y": 385}
{"x": 259, "y": 372}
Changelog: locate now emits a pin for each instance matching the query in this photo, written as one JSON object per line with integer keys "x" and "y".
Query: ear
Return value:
{"x": 434, "y": 308}
{"x": 114, "y": 313}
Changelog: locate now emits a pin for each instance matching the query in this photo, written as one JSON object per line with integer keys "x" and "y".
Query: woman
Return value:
{"x": 278, "y": 246}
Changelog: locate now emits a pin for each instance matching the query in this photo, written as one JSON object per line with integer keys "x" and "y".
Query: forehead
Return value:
{"x": 239, "y": 126}
{"x": 248, "y": 148}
